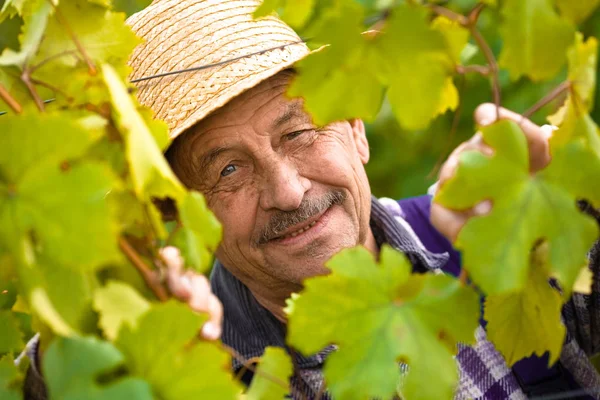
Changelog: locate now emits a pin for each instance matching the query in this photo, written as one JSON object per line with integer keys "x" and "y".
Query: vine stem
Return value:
{"x": 463, "y": 277}
{"x": 557, "y": 91}
{"x": 33, "y": 68}
{"x": 246, "y": 363}
{"x": 149, "y": 277}
{"x": 470, "y": 23}
{"x": 91, "y": 67}
{"x": 493, "y": 65}
{"x": 8, "y": 99}
{"x": 480, "y": 69}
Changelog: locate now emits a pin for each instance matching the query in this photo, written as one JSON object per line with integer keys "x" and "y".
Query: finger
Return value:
{"x": 178, "y": 285}
{"x": 212, "y": 329}
{"x": 475, "y": 143}
{"x": 200, "y": 294}
{"x": 449, "y": 222}
{"x": 537, "y": 138}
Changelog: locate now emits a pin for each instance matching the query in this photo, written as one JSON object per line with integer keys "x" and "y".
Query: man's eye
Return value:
{"x": 294, "y": 135}
{"x": 228, "y": 170}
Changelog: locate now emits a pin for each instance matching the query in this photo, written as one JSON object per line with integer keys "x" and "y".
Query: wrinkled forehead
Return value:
{"x": 260, "y": 104}
{"x": 264, "y": 108}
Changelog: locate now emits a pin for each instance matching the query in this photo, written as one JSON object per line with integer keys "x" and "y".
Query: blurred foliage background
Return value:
{"x": 405, "y": 163}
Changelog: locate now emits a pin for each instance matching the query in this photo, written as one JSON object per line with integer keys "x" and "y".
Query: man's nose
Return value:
{"x": 283, "y": 186}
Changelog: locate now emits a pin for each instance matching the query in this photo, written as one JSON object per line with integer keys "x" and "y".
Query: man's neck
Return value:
{"x": 275, "y": 302}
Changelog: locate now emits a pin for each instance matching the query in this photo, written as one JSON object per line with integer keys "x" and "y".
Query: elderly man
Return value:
{"x": 291, "y": 194}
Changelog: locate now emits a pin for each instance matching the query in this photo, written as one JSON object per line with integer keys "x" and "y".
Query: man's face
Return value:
{"x": 288, "y": 193}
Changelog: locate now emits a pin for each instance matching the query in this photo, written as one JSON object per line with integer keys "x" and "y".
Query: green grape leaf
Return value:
{"x": 455, "y": 35}
{"x": 102, "y": 33}
{"x": 118, "y": 303}
{"x": 528, "y": 321}
{"x": 8, "y": 282}
{"x": 68, "y": 141}
{"x": 270, "y": 381}
{"x": 267, "y": 7}
{"x": 380, "y": 315}
{"x": 336, "y": 82}
{"x": 161, "y": 351}
{"x": 200, "y": 232}
{"x": 9, "y": 79}
{"x": 34, "y": 26}
{"x": 576, "y": 11}
{"x": 150, "y": 172}
{"x": 10, "y": 380}
{"x": 295, "y": 13}
{"x": 582, "y": 60}
{"x": 535, "y": 39}
{"x": 526, "y": 208}
{"x": 417, "y": 61}
{"x": 87, "y": 368}
{"x": 11, "y": 338}
{"x": 130, "y": 6}
{"x": 63, "y": 223}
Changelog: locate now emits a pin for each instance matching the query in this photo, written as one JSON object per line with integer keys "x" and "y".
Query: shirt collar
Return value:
{"x": 249, "y": 328}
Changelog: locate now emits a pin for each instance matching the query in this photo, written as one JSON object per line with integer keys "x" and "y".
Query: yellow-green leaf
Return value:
{"x": 535, "y": 39}
{"x": 379, "y": 315}
{"x": 270, "y": 381}
{"x": 528, "y": 321}
{"x": 118, "y": 304}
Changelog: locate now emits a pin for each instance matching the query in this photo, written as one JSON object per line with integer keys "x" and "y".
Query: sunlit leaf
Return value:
{"x": 118, "y": 304}
{"x": 380, "y": 315}
{"x": 535, "y": 39}
{"x": 270, "y": 381}
{"x": 10, "y": 380}
{"x": 161, "y": 350}
{"x": 416, "y": 61}
{"x": 77, "y": 368}
{"x": 150, "y": 172}
{"x": 11, "y": 338}
{"x": 577, "y": 11}
{"x": 529, "y": 321}
{"x": 200, "y": 232}
{"x": 526, "y": 208}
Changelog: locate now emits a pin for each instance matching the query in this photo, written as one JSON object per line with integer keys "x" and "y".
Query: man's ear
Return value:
{"x": 360, "y": 139}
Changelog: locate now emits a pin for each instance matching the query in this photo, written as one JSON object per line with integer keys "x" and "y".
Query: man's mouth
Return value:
{"x": 303, "y": 231}
{"x": 297, "y": 232}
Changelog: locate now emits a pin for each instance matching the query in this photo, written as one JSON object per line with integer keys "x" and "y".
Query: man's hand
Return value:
{"x": 193, "y": 289}
{"x": 450, "y": 222}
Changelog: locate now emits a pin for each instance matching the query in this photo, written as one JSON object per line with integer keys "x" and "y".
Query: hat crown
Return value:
{"x": 179, "y": 35}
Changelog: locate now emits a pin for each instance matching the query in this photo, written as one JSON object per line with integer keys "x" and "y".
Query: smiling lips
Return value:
{"x": 299, "y": 231}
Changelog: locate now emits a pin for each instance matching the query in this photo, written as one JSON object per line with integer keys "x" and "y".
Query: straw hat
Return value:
{"x": 181, "y": 34}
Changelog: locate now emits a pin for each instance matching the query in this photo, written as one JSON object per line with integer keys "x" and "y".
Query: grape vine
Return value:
{"x": 82, "y": 168}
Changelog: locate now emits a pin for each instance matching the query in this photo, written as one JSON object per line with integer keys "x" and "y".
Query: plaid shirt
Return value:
{"x": 484, "y": 374}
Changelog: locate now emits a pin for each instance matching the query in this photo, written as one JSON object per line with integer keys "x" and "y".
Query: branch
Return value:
{"x": 8, "y": 99}
{"x": 50, "y": 86}
{"x": 470, "y": 23}
{"x": 480, "y": 69}
{"x": 33, "y": 68}
{"x": 247, "y": 364}
{"x": 475, "y": 12}
{"x": 26, "y": 78}
{"x": 149, "y": 276}
{"x": 557, "y": 91}
{"x": 80, "y": 48}
{"x": 463, "y": 277}
{"x": 461, "y": 19}
{"x": 492, "y": 64}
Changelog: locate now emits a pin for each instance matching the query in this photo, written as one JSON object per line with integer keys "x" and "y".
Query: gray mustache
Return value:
{"x": 309, "y": 207}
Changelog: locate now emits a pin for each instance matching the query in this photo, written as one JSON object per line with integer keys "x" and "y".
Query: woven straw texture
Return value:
{"x": 180, "y": 34}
